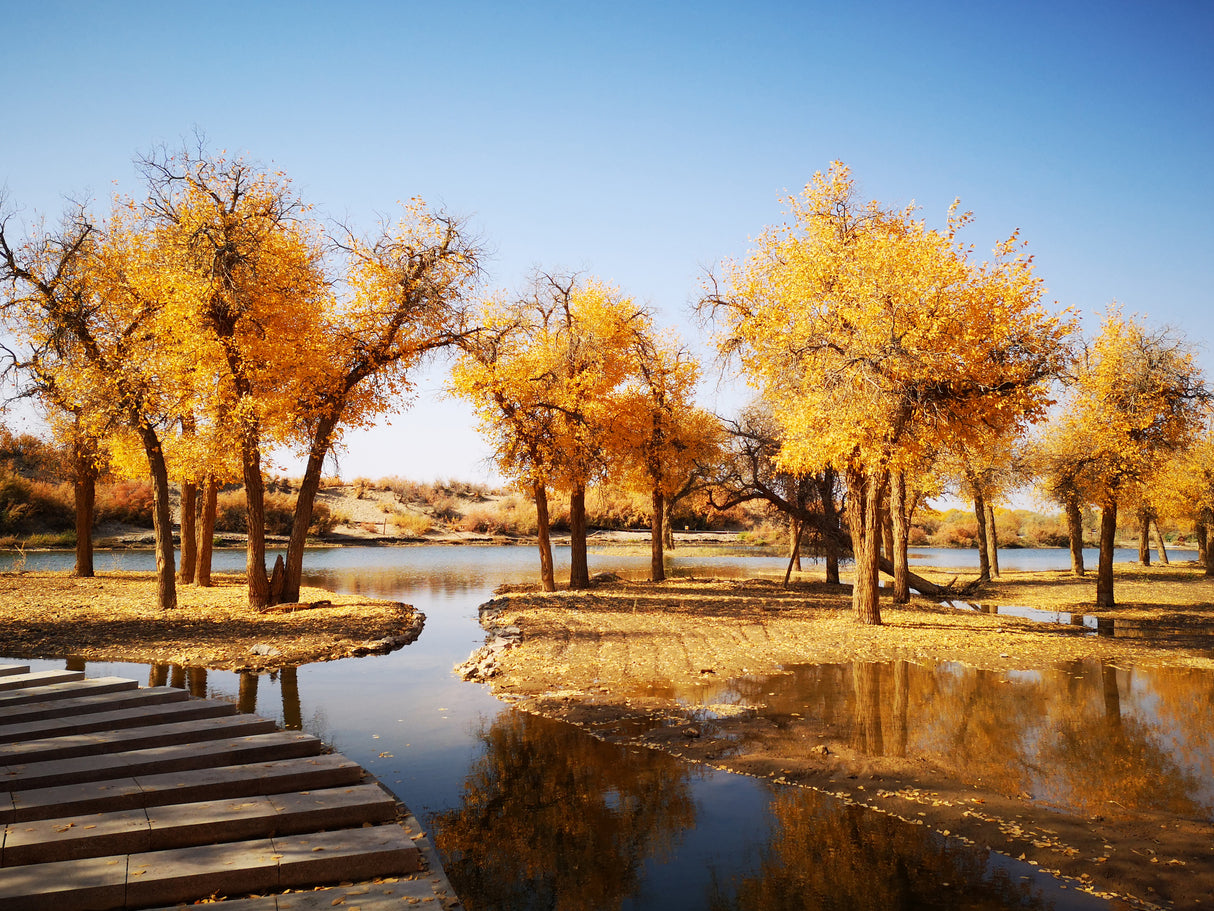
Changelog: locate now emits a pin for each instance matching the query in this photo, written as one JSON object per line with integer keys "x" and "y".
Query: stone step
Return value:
{"x": 226, "y": 725}
{"x": 7, "y": 670}
{"x": 174, "y": 758}
{"x": 77, "y": 708}
{"x": 67, "y": 690}
{"x": 185, "y": 874}
{"x": 381, "y": 896}
{"x": 190, "y": 824}
{"x": 286, "y": 862}
{"x": 116, "y": 719}
{"x": 38, "y": 678}
{"x": 320, "y": 770}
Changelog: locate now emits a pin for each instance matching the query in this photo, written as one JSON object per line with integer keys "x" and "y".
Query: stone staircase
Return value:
{"x": 116, "y": 796}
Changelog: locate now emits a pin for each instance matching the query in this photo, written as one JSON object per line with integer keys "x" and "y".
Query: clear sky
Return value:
{"x": 644, "y": 142}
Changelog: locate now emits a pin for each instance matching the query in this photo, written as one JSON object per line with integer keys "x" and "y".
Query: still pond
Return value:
{"x": 536, "y": 814}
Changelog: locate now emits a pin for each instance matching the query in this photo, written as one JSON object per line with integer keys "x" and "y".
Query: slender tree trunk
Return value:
{"x": 992, "y": 539}
{"x": 1144, "y": 537}
{"x": 657, "y": 569}
{"x": 579, "y": 569}
{"x": 305, "y": 503}
{"x": 897, "y": 510}
{"x": 189, "y": 531}
{"x": 206, "y": 530}
{"x": 901, "y": 706}
{"x": 830, "y": 524}
{"x": 667, "y": 528}
{"x": 1163, "y": 547}
{"x": 84, "y": 489}
{"x": 540, "y": 492}
{"x": 794, "y": 543}
{"x": 1201, "y": 533}
{"x": 255, "y": 522}
{"x": 162, "y": 521}
{"x": 984, "y": 559}
{"x": 1108, "y": 537}
{"x": 866, "y": 491}
{"x": 1074, "y": 526}
{"x": 796, "y": 552}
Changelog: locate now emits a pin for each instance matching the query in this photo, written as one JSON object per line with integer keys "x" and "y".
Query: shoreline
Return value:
{"x": 707, "y": 672}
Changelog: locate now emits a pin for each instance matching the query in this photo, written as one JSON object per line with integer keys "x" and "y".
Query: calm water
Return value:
{"x": 535, "y": 814}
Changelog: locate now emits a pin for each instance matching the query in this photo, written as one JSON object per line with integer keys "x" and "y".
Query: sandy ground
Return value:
{"x": 113, "y": 617}
{"x": 639, "y": 663}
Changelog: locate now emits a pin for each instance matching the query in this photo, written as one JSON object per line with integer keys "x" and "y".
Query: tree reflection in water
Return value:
{"x": 551, "y": 818}
{"x": 1084, "y": 736}
{"x": 824, "y": 854}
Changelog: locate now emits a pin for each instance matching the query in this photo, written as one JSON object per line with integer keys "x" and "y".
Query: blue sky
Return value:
{"x": 645, "y": 142}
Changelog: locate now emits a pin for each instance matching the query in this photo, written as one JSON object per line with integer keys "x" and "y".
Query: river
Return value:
{"x": 532, "y": 814}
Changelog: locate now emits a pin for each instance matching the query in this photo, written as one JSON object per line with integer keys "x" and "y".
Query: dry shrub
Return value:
{"x": 410, "y": 523}
{"x": 27, "y": 505}
{"x": 510, "y": 515}
{"x": 444, "y": 508}
{"x": 126, "y": 501}
{"x": 279, "y": 510}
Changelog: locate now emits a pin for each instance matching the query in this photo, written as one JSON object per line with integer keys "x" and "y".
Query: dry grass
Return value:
{"x": 114, "y": 617}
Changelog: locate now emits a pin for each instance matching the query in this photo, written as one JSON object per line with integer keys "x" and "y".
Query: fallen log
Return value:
{"x": 926, "y": 587}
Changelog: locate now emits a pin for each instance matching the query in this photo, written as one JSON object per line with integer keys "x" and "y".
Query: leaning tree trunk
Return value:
{"x": 984, "y": 559}
{"x": 1144, "y": 537}
{"x": 579, "y": 570}
{"x": 162, "y": 520}
{"x": 1108, "y": 537}
{"x": 1163, "y": 548}
{"x": 897, "y": 509}
{"x": 796, "y": 552}
{"x": 1074, "y": 527}
{"x": 992, "y": 539}
{"x": 794, "y": 543}
{"x": 189, "y": 534}
{"x": 866, "y": 491}
{"x": 84, "y": 490}
{"x": 305, "y": 503}
{"x": 547, "y": 578}
{"x": 206, "y": 531}
{"x": 830, "y": 524}
{"x": 657, "y": 561}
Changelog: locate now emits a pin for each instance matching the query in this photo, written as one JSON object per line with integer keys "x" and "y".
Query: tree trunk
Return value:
{"x": 830, "y": 524}
{"x": 162, "y": 521}
{"x": 865, "y": 491}
{"x": 1207, "y": 555}
{"x": 887, "y": 528}
{"x": 866, "y": 681}
{"x": 984, "y": 559}
{"x": 305, "y": 503}
{"x": 540, "y": 492}
{"x": 292, "y": 710}
{"x": 189, "y": 531}
{"x": 1144, "y": 537}
{"x": 796, "y": 552}
{"x": 897, "y": 510}
{"x": 255, "y": 522}
{"x": 657, "y": 568}
{"x": 1202, "y": 533}
{"x": 667, "y": 528}
{"x": 794, "y": 544}
{"x": 1108, "y": 537}
{"x": 579, "y": 569}
{"x": 1074, "y": 526}
{"x": 206, "y": 531}
{"x": 992, "y": 539}
{"x": 84, "y": 489}
{"x": 1163, "y": 547}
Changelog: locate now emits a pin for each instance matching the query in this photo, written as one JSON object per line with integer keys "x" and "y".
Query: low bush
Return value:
{"x": 410, "y": 523}
{"x": 27, "y": 505}
{"x": 126, "y": 501}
